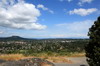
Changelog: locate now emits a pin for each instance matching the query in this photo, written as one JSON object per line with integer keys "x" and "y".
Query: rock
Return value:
{"x": 2, "y": 61}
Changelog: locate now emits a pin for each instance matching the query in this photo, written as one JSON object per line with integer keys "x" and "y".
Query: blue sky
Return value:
{"x": 48, "y": 18}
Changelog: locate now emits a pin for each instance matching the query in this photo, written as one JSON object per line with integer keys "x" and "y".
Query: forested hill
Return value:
{"x": 14, "y": 38}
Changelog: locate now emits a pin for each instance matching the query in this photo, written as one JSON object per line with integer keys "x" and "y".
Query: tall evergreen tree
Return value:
{"x": 93, "y": 47}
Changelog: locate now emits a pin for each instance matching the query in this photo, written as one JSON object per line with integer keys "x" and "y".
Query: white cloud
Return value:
{"x": 76, "y": 29}
{"x": 83, "y": 12}
{"x": 81, "y": 2}
{"x": 44, "y": 8}
{"x": 69, "y": 0}
{"x": 1, "y": 32}
{"x": 65, "y": 0}
{"x": 19, "y": 15}
{"x": 77, "y": 26}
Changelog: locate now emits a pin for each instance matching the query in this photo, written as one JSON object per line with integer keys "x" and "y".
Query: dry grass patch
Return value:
{"x": 77, "y": 55}
{"x": 58, "y": 59}
{"x": 11, "y": 56}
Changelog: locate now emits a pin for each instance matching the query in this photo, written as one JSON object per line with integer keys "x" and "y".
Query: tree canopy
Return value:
{"x": 93, "y": 47}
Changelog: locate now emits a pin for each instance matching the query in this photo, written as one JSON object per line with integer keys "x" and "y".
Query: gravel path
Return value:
{"x": 77, "y": 61}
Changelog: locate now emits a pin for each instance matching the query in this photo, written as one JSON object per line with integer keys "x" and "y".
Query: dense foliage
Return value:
{"x": 60, "y": 46}
{"x": 93, "y": 48}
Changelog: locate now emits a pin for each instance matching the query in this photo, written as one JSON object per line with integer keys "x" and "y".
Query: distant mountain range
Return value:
{"x": 21, "y": 38}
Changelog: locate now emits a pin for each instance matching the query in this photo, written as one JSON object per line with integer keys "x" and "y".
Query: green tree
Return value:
{"x": 93, "y": 47}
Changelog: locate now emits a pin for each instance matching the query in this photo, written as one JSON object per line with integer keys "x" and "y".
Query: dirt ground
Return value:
{"x": 76, "y": 61}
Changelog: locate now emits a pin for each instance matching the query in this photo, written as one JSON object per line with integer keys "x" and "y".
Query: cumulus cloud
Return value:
{"x": 83, "y": 12}
{"x": 81, "y": 2}
{"x": 44, "y": 8}
{"x": 76, "y": 29}
{"x": 19, "y": 15}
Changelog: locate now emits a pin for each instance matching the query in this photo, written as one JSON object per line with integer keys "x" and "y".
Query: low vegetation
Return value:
{"x": 11, "y": 56}
{"x": 47, "y": 46}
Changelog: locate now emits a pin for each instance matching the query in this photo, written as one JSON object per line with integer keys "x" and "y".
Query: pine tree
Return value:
{"x": 93, "y": 47}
